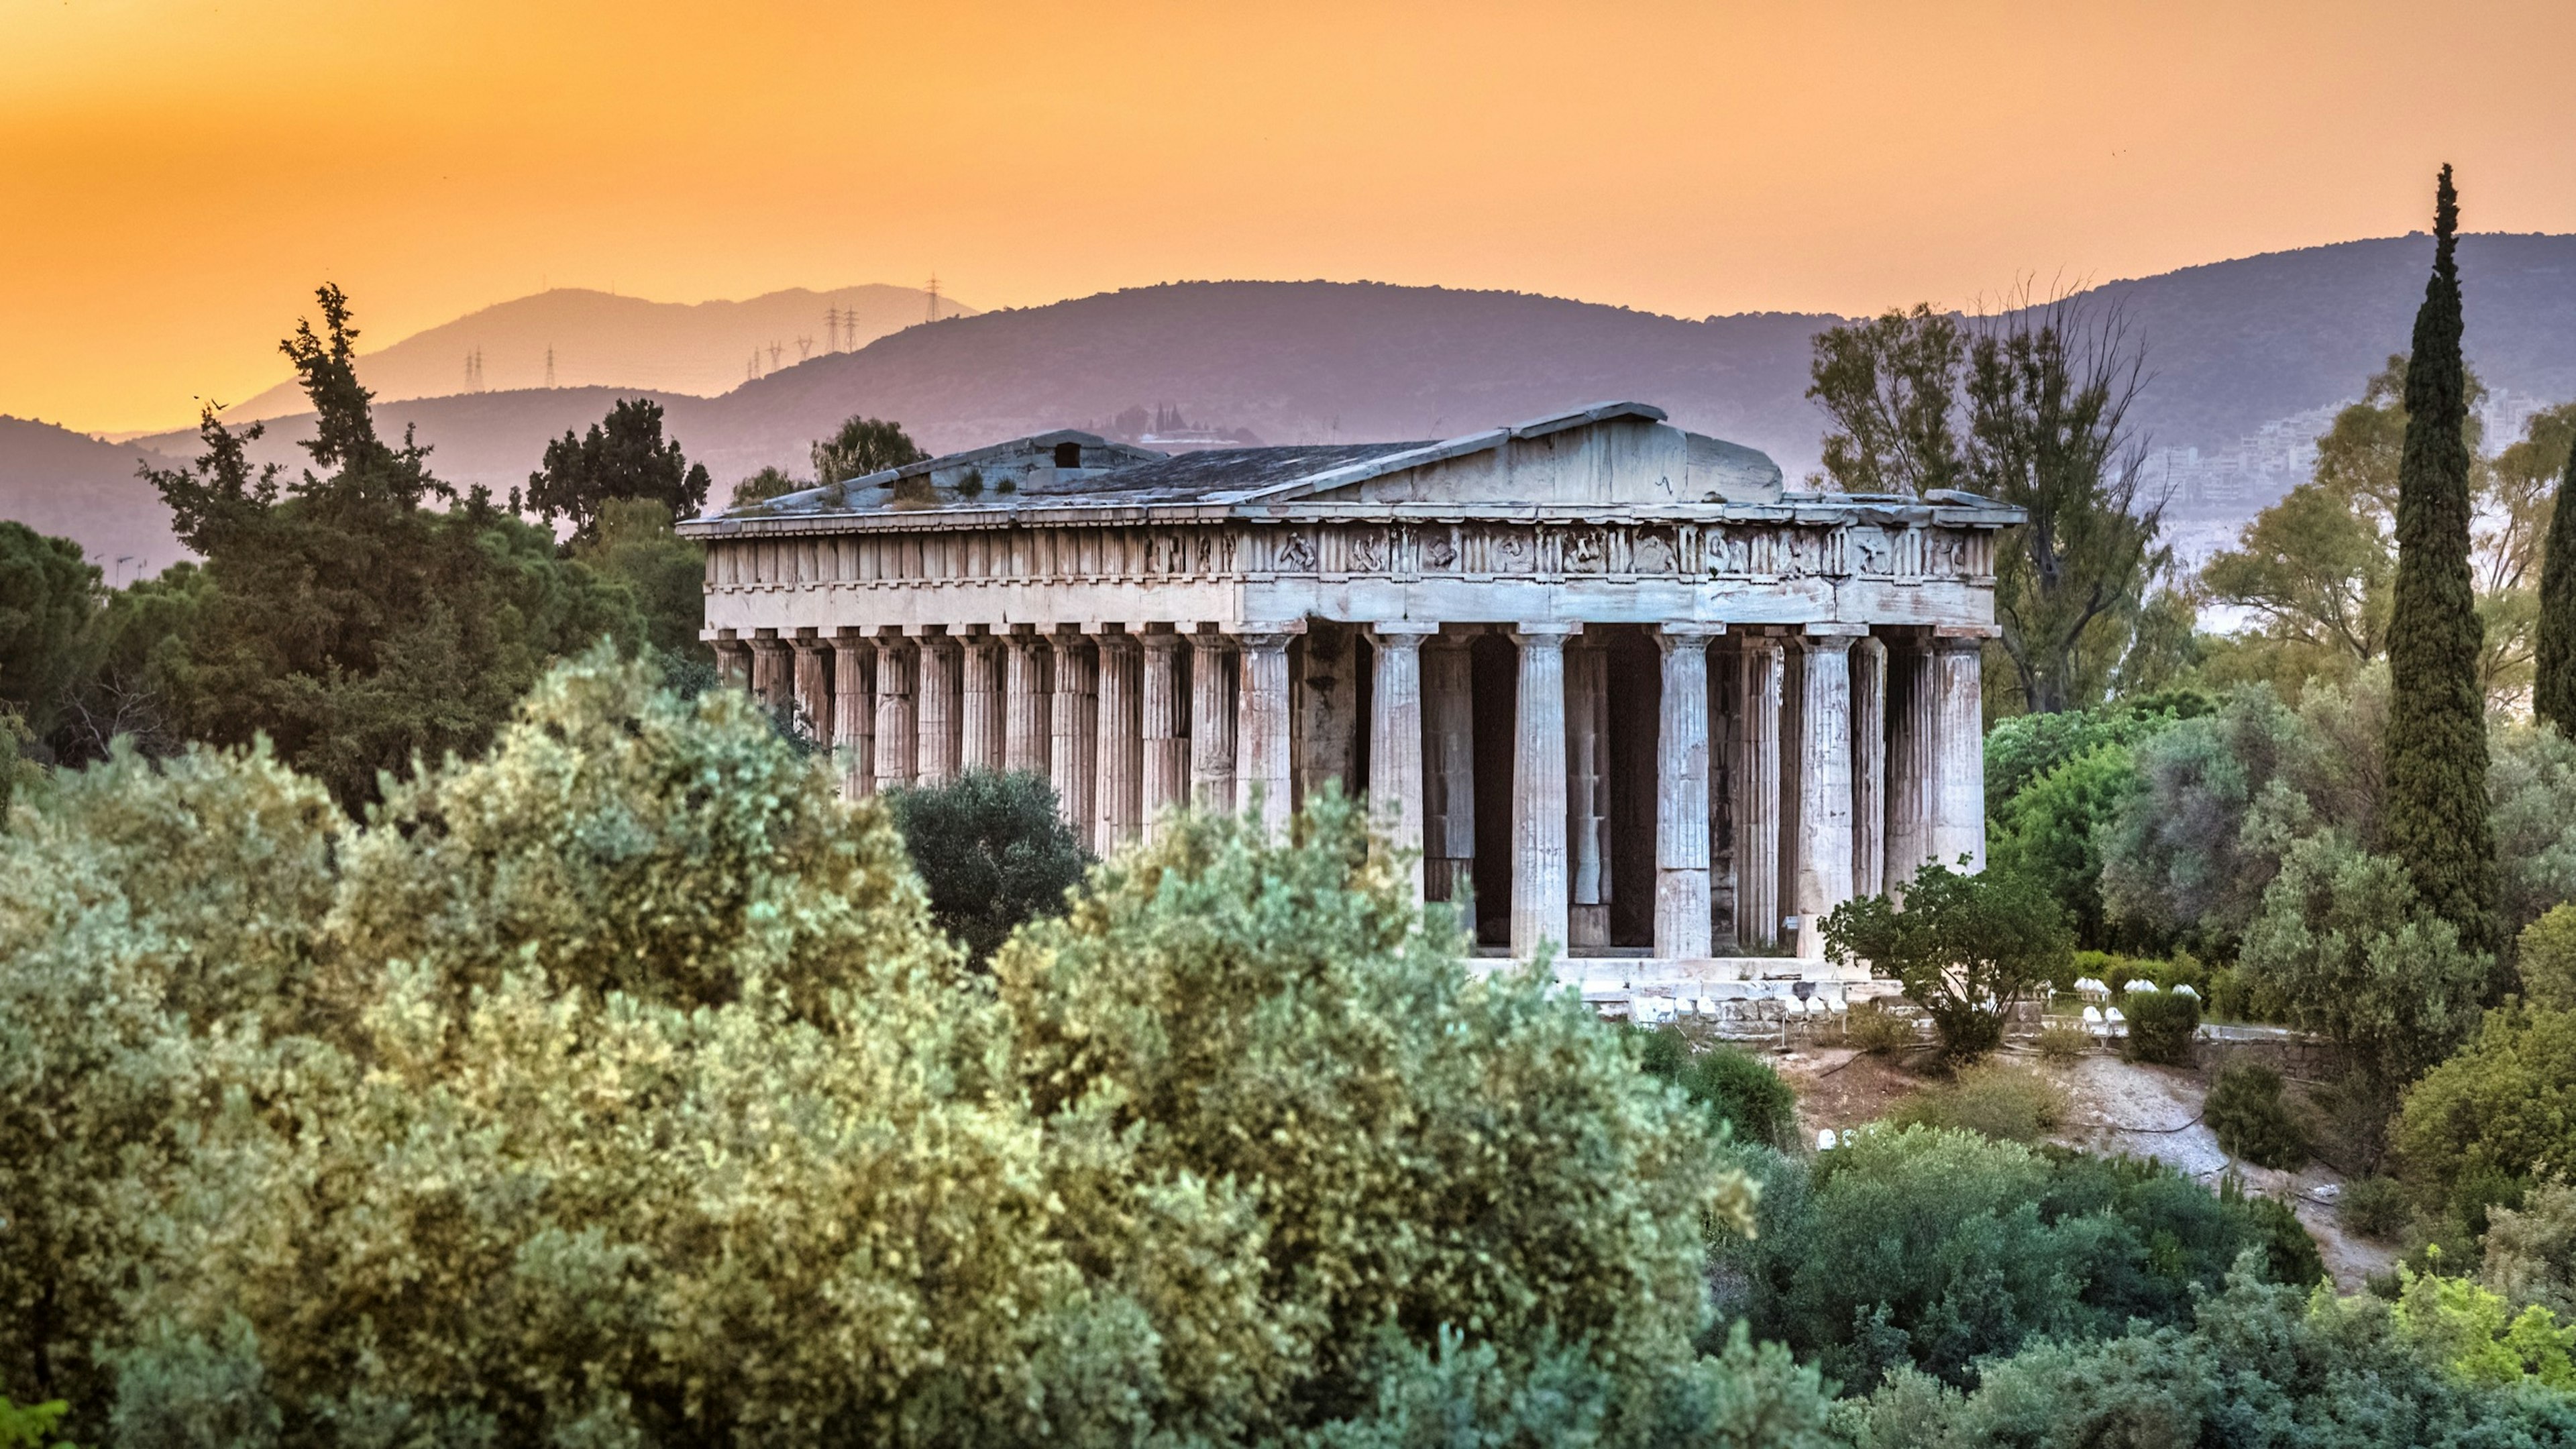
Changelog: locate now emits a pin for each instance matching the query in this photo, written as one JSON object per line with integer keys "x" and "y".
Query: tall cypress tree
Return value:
{"x": 2436, "y": 819}
{"x": 2553, "y": 686}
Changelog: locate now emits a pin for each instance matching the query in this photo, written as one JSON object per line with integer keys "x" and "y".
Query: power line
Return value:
{"x": 934, "y": 296}
{"x": 550, "y": 365}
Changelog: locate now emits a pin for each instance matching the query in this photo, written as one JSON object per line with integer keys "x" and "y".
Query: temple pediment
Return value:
{"x": 1609, "y": 453}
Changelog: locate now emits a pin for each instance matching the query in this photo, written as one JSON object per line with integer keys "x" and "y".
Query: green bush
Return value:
{"x": 992, "y": 850}
{"x": 1734, "y": 1087}
{"x": 2253, "y": 1121}
{"x": 2546, "y": 956}
{"x": 1967, "y": 948}
{"x": 2161, "y": 1026}
{"x": 2007, "y": 1103}
{"x": 1871, "y": 1027}
{"x": 2062, "y": 1042}
{"x": 2496, "y": 1116}
{"x": 2530, "y": 1251}
{"x": 2374, "y": 1208}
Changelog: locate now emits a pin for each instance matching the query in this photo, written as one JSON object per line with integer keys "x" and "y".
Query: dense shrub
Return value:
{"x": 992, "y": 850}
{"x": 1930, "y": 1248}
{"x": 1967, "y": 948}
{"x": 2373, "y": 1207}
{"x": 2007, "y": 1103}
{"x": 1872, "y": 1027}
{"x": 2161, "y": 1026}
{"x": 2545, "y": 954}
{"x": 2498, "y": 1115}
{"x": 2046, "y": 833}
{"x": 2530, "y": 1253}
{"x": 2253, "y": 1121}
{"x": 2061, "y": 1042}
{"x": 1734, "y": 1087}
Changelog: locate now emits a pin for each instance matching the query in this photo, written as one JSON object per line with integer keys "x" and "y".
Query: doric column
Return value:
{"x": 770, "y": 680}
{"x": 897, "y": 729}
{"x": 814, "y": 687}
{"x": 1538, "y": 790}
{"x": 1212, "y": 686}
{"x": 854, "y": 713}
{"x": 1681, "y": 795}
{"x": 1116, "y": 793}
{"x": 1914, "y": 728}
{"x": 733, "y": 663}
{"x": 1959, "y": 766}
{"x": 1869, "y": 766}
{"x": 1757, "y": 797}
{"x": 1073, "y": 759}
{"x": 1587, "y": 793}
{"x": 1448, "y": 769}
{"x": 1824, "y": 873}
{"x": 1264, "y": 742}
{"x": 935, "y": 708}
{"x": 1028, "y": 703}
{"x": 979, "y": 702}
{"x": 1395, "y": 738}
{"x": 1165, "y": 723}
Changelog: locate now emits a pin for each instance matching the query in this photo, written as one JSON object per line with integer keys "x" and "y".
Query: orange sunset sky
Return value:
{"x": 175, "y": 175}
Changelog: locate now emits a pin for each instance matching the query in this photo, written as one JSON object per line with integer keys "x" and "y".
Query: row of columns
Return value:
{"x": 1888, "y": 752}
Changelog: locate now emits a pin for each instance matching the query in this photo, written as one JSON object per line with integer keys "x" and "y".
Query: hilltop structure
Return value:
{"x": 1622, "y": 691}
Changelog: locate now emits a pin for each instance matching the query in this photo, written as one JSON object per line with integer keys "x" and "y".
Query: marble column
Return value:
{"x": 1448, "y": 769}
{"x": 1028, "y": 703}
{"x": 979, "y": 702}
{"x": 1212, "y": 723}
{"x": 733, "y": 663}
{"x": 1165, "y": 725}
{"x": 1757, "y": 797}
{"x": 1264, "y": 742}
{"x": 1074, "y": 731}
{"x": 1395, "y": 739}
{"x": 1681, "y": 798}
{"x": 897, "y": 728}
{"x": 854, "y": 713}
{"x": 1117, "y": 793}
{"x": 935, "y": 709}
{"x": 1587, "y": 793}
{"x": 1538, "y": 916}
{"x": 1869, "y": 766}
{"x": 770, "y": 681}
{"x": 1913, "y": 731}
{"x": 1824, "y": 839}
{"x": 1959, "y": 754}
{"x": 813, "y": 682}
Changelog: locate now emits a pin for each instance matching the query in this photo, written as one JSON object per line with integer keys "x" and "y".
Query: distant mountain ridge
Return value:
{"x": 603, "y": 339}
{"x": 2232, "y": 345}
{"x": 73, "y": 486}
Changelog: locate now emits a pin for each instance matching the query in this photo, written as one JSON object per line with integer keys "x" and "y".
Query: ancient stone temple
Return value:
{"x": 1624, "y": 693}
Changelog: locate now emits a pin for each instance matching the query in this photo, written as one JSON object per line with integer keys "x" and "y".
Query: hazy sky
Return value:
{"x": 176, "y": 175}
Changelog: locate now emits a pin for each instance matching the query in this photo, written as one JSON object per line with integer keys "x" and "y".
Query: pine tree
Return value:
{"x": 2553, "y": 686}
{"x": 2436, "y": 818}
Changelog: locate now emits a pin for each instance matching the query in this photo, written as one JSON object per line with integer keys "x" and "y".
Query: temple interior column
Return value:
{"x": 1757, "y": 797}
{"x": 1164, "y": 720}
{"x": 1959, "y": 763}
{"x": 1913, "y": 729}
{"x": 854, "y": 712}
{"x": 1725, "y": 784}
{"x": 1395, "y": 738}
{"x": 1587, "y": 793}
{"x": 1681, "y": 801}
{"x": 1448, "y": 769}
{"x": 1264, "y": 742}
{"x": 1212, "y": 722}
{"x": 1117, "y": 794}
{"x": 813, "y": 681}
{"x": 1028, "y": 703}
{"x": 1539, "y": 897}
{"x": 897, "y": 729}
{"x": 733, "y": 662}
{"x": 1824, "y": 839}
{"x": 935, "y": 709}
{"x": 1869, "y": 766}
{"x": 1073, "y": 755}
{"x": 979, "y": 702}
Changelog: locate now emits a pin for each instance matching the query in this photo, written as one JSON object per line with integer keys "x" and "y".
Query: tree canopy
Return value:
{"x": 622, "y": 457}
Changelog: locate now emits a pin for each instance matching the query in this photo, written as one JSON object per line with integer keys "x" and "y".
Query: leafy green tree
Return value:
{"x": 1890, "y": 386}
{"x": 350, "y": 623}
{"x": 992, "y": 850}
{"x": 2356, "y": 955}
{"x": 2553, "y": 690}
{"x": 47, "y": 594}
{"x": 1967, "y": 947}
{"x": 2529, "y": 1257}
{"x": 2498, "y": 1112}
{"x": 2546, "y": 954}
{"x": 2315, "y": 570}
{"x": 2436, "y": 820}
{"x": 2049, "y": 834}
{"x": 863, "y": 446}
{"x": 762, "y": 486}
{"x": 1733, "y": 1086}
{"x": 624, "y": 457}
{"x": 634, "y": 544}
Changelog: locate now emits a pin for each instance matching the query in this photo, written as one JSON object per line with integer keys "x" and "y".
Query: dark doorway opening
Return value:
{"x": 1496, "y": 661}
